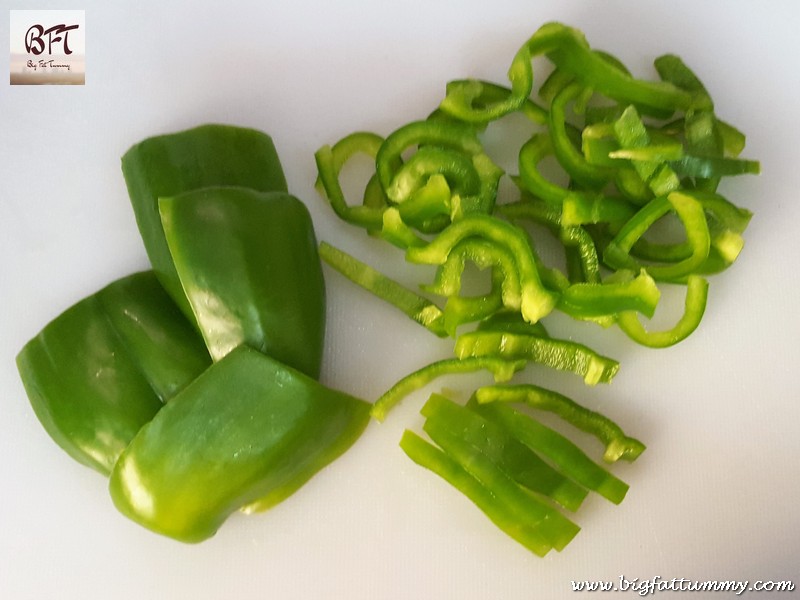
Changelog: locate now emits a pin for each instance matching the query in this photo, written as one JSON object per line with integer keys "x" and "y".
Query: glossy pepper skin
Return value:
{"x": 104, "y": 367}
{"x": 248, "y": 432}
{"x": 249, "y": 266}
{"x": 209, "y": 155}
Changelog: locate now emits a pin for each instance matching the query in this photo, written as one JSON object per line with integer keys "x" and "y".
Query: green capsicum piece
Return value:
{"x": 559, "y": 450}
{"x": 249, "y": 266}
{"x": 248, "y": 432}
{"x": 536, "y": 301}
{"x": 505, "y": 451}
{"x": 411, "y": 304}
{"x": 103, "y": 368}
{"x": 562, "y": 355}
{"x": 209, "y": 155}
{"x": 496, "y": 507}
{"x": 501, "y": 368}
{"x": 617, "y": 444}
{"x": 557, "y": 529}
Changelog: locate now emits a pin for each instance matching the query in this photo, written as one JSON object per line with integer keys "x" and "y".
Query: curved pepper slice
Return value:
{"x": 618, "y": 445}
{"x": 249, "y": 431}
{"x": 101, "y": 370}
{"x": 208, "y": 155}
{"x": 536, "y": 301}
{"x": 557, "y": 354}
{"x": 249, "y": 266}
{"x": 694, "y": 308}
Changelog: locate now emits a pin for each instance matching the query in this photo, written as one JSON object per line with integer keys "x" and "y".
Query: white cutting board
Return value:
{"x": 713, "y": 497}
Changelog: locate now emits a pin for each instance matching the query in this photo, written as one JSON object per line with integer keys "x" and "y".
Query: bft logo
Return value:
{"x": 37, "y": 35}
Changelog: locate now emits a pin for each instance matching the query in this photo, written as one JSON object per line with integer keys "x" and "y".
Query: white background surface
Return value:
{"x": 713, "y": 498}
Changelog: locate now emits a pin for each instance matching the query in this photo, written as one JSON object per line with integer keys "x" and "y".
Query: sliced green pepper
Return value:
{"x": 694, "y": 307}
{"x": 505, "y": 451}
{"x": 209, "y": 155}
{"x": 249, "y": 266}
{"x": 247, "y": 433}
{"x": 618, "y": 445}
{"x": 536, "y": 301}
{"x": 501, "y": 368}
{"x": 102, "y": 369}
{"x": 565, "y": 455}
{"x": 557, "y": 354}
{"x": 414, "y": 306}
{"x": 520, "y": 527}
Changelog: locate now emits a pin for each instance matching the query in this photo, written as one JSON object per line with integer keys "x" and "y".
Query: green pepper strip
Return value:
{"x": 330, "y": 160}
{"x": 507, "y": 453}
{"x": 694, "y": 307}
{"x": 557, "y": 529}
{"x": 485, "y": 498}
{"x": 512, "y": 321}
{"x": 459, "y": 310}
{"x": 691, "y": 214}
{"x": 501, "y": 368}
{"x": 710, "y": 166}
{"x": 452, "y": 136}
{"x": 583, "y": 300}
{"x": 573, "y": 161}
{"x": 564, "y": 454}
{"x": 532, "y": 152}
{"x": 557, "y": 354}
{"x": 726, "y": 223}
{"x": 536, "y": 300}
{"x": 568, "y": 49}
{"x": 581, "y": 209}
{"x": 483, "y": 254}
{"x": 576, "y": 240}
{"x": 618, "y": 445}
{"x": 651, "y": 166}
{"x": 417, "y": 308}
{"x": 483, "y": 94}
{"x": 573, "y": 54}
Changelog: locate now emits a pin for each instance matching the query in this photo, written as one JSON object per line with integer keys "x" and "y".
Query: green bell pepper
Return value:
{"x": 248, "y": 264}
{"x": 209, "y": 155}
{"x": 103, "y": 368}
{"x": 247, "y": 433}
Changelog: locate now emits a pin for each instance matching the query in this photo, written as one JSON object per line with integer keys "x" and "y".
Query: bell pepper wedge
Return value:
{"x": 248, "y": 432}
{"x": 104, "y": 367}
{"x": 248, "y": 264}
{"x": 208, "y": 155}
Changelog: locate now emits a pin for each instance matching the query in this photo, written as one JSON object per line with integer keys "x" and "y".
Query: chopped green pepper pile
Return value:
{"x": 641, "y": 209}
{"x": 193, "y": 386}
